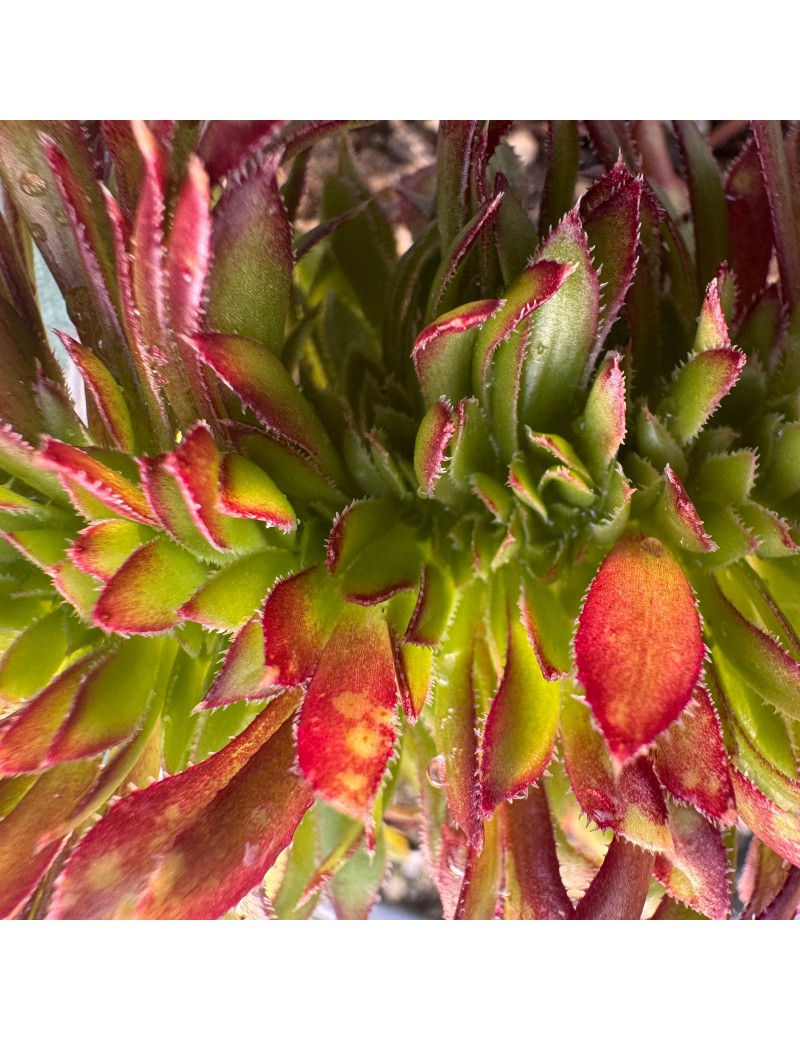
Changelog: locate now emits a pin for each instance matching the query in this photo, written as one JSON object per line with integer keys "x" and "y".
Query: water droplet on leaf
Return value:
{"x": 32, "y": 184}
{"x": 436, "y": 771}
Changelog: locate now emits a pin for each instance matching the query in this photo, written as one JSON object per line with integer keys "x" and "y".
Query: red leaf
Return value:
{"x": 619, "y": 890}
{"x": 536, "y": 891}
{"x": 639, "y": 647}
{"x": 50, "y": 802}
{"x": 299, "y": 615}
{"x": 749, "y": 216}
{"x": 227, "y": 143}
{"x": 347, "y": 722}
{"x": 195, "y": 465}
{"x": 696, "y": 871}
{"x": 191, "y": 846}
{"x": 690, "y": 759}
{"x": 103, "y": 483}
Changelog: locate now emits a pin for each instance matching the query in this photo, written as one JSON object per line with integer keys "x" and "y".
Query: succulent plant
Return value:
{"x": 489, "y": 537}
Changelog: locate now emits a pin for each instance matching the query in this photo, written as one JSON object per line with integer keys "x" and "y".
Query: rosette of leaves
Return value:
{"x": 506, "y": 521}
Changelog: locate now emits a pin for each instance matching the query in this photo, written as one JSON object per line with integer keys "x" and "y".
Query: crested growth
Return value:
{"x": 491, "y": 539}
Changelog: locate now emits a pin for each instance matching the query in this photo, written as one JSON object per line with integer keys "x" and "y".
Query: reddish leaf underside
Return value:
{"x": 639, "y": 647}
{"x": 690, "y": 759}
{"x": 696, "y": 871}
{"x": 774, "y": 826}
{"x": 347, "y": 723}
{"x": 533, "y": 879}
{"x": 190, "y": 846}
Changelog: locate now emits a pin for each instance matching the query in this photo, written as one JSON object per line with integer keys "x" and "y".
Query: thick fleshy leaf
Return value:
{"x": 681, "y": 516}
{"x": 299, "y": 615}
{"x": 144, "y": 596}
{"x": 111, "y": 702}
{"x": 478, "y": 899}
{"x": 347, "y": 723}
{"x": 34, "y": 657}
{"x": 168, "y": 502}
{"x": 762, "y": 879}
{"x": 619, "y": 890}
{"x": 245, "y": 490}
{"x": 104, "y": 546}
{"x": 19, "y": 459}
{"x": 750, "y": 225}
{"x": 754, "y": 654}
{"x": 26, "y": 736}
{"x": 414, "y": 664}
{"x": 235, "y": 592}
{"x": 563, "y": 330}
{"x": 536, "y": 891}
{"x": 540, "y": 280}
{"x": 520, "y": 733}
{"x": 227, "y": 143}
{"x": 251, "y": 244}
{"x": 455, "y": 718}
{"x": 196, "y": 466}
{"x": 23, "y": 857}
{"x": 709, "y": 211}
{"x": 563, "y": 154}
{"x": 778, "y": 184}
{"x": 774, "y": 826}
{"x": 610, "y": 211}
{"x": 690, "y": 759}
{"x": 632, "y": 802}
{"x": 244, "y": 674}
{"x": 454, "y": 153}
{"x": 639, "y": 647}
{"x": 433, "y": 608}
{"x": 264, "y": 385}
{"x": 604, "y": 416}
{"x": 443, "y": 351}
{"x": 435, "y": 433}
{"x": 194, "y": 844}
{"x": 355, "y": 886}
{"x": 547, "y": 627}
{"x": 107, "y": 395}
{"x": 696, "y": 871}
{"x": 103, "y": 483}
{"x": 293, "y": 472}
{"x": 355, "y": 528}
{"x": 698, "y": 388}
{"x": 444, "y": 291}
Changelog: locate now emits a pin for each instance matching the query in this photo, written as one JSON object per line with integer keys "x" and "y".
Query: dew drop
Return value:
{"x": 32, "y": 184}
{"x": 436, "y": 771}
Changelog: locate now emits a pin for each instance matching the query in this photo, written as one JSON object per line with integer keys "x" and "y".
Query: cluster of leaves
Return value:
{"x": 505, "y": 522}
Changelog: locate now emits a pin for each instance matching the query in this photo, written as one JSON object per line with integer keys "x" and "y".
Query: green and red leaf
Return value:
{"x": 192, "y": 845}
{"x": 520, "y": 733}
{"x": 299, "y": 615}
{"x": 346, "y": 728}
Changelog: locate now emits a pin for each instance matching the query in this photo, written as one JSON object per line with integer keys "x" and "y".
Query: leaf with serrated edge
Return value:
{"x": 638, "y": 647}
{"x": 192, "y": 845}
{"x": 435, "y": 433}
{"x": 244, "y": 674}
{"x": 696, "y": 871}
{"x": 520, "y": 733}
{"x": 144, "y": 595}
{"x": 299, "y": 615}
{"x": 233, "y": 593}
{"x": 690, "y": 759}
{"x": 245, "y": 490}
{"x": 443, "y": 351}
{"x": 347, "y": 723}
{"x": 536, "y": 891}
{"x": 774, "y": 826}
{"x": 116, "y": 492}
